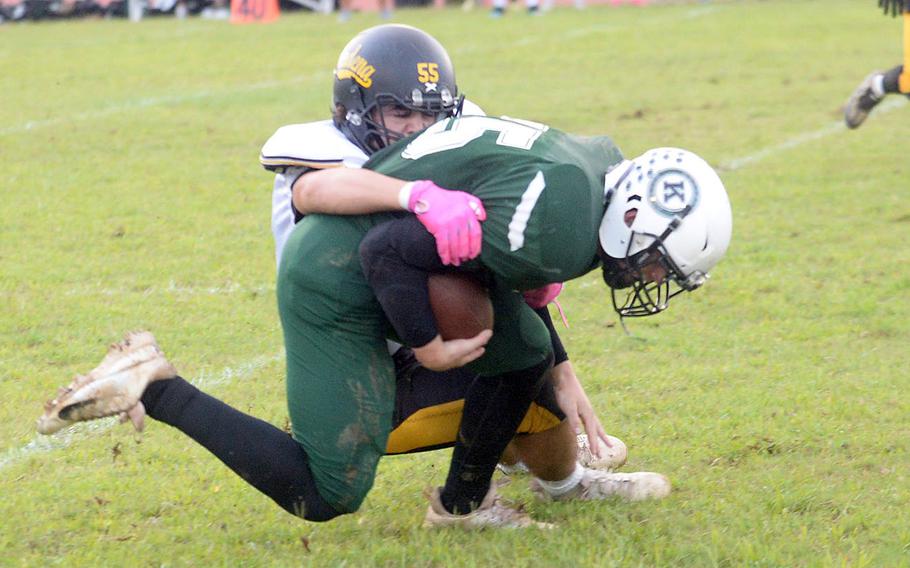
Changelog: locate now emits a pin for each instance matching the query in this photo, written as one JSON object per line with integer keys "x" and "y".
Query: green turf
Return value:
{"x": 775, "y": 399}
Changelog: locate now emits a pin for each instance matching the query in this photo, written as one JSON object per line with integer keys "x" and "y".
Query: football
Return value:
{"x": 460, "y": 304}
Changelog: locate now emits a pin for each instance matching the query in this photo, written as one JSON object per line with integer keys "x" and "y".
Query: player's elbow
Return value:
{"x": 306, "y": 194}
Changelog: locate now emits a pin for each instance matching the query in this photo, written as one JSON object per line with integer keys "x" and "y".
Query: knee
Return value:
{"x": 317, "y": 512}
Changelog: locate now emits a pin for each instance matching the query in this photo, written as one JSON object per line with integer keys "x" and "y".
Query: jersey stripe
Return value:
{"x": 271, "y": 162}
{"x": 522, "y": 214}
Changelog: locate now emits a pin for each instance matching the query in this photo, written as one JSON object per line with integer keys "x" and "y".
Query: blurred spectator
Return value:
{"x": 12, "y": 10}
{"x": 347, "y": 7}
{"x": 218, "y": 10}
{"x": 499, "y": 7}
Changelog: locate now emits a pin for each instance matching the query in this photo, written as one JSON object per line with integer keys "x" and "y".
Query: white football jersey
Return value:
{"x": 314, "y": 145}
{"x": 292, "y": 150}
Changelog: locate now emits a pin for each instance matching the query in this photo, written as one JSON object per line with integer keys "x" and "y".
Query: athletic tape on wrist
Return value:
{"x": 404, "y": 195}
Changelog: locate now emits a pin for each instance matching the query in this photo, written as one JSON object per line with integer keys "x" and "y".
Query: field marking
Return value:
{"x": 173, "y": 288}
{"x": 800, "y": 139}
{"x": 148, "y": 102}
{"x": 85, "y": 430}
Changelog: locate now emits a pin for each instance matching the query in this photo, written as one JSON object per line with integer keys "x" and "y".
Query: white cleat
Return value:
{"x": 611, "y": 458}
{"x": 492, "y": 513}
{"x": 114, "y": 387}
{"x": 596, "y": 485}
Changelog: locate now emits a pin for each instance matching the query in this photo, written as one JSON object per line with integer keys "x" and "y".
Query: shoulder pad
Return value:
{"x": 470, "y": 109}
{"x": 315, "y": 145}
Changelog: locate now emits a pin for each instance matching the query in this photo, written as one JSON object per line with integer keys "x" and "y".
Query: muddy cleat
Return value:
{"x": 612, "y": 457}
{"x": 113, "y": 387}
{"x": 861, "y": 102}
{"x": 492, "y": 513}
{"x": 596, "y": 485}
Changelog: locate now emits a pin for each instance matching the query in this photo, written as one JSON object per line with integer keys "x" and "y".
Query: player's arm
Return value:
{"x": 346, "y": 191}
{"x": 396, "y": 257}
{"x": 570, "y": 394}
{"x": 452, "y": 217}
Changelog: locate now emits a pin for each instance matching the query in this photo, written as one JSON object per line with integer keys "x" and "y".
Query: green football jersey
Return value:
{"x": 542, "y": 190}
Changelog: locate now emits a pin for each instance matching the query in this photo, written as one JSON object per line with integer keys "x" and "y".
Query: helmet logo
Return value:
{"x": 428, "y": 73}
{"x": 430, "y": 87}
{"x": 354, "y": 66}
{"x": 671, "y": 191}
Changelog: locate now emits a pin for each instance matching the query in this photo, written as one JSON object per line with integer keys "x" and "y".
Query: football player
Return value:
{"x": 390, "y": 82}
{"x": 544, "y": 192}
{"x": 878, "y": 84}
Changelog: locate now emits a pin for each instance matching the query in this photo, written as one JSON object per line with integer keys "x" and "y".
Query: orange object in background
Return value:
{"x": 254, "y": 11}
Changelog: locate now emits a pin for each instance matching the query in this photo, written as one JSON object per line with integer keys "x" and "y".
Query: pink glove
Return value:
{"x": 453, "y": 217}
{"x": 540, "y": 297}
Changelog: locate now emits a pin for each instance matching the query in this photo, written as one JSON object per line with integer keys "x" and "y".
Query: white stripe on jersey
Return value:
{"x": 522, "y": 214}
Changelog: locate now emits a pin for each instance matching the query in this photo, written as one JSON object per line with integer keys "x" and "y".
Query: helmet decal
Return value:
{"x": 428, "y": 72}
{"x": 354, "y": 66}
{"x": 671, "y": 191}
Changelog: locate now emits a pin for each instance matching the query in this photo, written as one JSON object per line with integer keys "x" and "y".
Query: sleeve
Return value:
{"x": 559, "y": 352}
{"x": 396, "y": 257}
{"x": 284, "y": 215}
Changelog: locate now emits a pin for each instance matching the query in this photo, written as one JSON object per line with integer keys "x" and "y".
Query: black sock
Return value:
{"x": 890, "y": 84}
{"x": 493, "y": 409}
{"x": 266, "y": 457}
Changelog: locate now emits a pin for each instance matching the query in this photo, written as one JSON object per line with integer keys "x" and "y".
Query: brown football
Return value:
{"x": 461, "y": 305}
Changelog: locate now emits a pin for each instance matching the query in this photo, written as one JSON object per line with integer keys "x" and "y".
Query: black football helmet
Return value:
{"x": 391, "y": 64}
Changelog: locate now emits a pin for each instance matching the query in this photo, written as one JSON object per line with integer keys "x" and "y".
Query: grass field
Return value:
{"x": 775, "y": 399}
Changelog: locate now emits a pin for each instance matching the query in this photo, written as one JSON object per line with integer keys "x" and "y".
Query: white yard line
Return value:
{"x": 172, "y": 288}
{"x": 148, "y": 102}
{"x": 893, "y": 103}
{"x": 170, "y": 100}
{"x": 86, "y": 430}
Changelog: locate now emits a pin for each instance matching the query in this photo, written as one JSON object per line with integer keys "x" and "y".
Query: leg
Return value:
{"x": 340, "y": 376}
{"x": 262, "y": 455}
{"x": 904, "y": 82}
{"x": 344, "y": 10}
{"x": 871, "y": 92}
{"x": 550, "y": 454}
{"x": 429, "y": 405}
{"x": 135, "y": 376}
{"x": 496, "y": 402}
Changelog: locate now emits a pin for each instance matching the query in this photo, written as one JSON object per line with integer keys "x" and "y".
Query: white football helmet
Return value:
{"x": 668, "y": 209}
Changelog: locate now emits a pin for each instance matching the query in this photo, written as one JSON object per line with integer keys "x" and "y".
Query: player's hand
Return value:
{"x": 540, "y": 297}
{"x": 452, "y": 217}
{"x": 895, "y": 7}
{"x": 439, "y": 355}
{"x": 573, "y": 400}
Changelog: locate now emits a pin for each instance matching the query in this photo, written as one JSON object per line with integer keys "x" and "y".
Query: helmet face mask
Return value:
{"x": 668, "y": 222}
{"x": 391, "y": 67}
{"x": 378, "y": 134}
{"x": 641, "y": 284}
